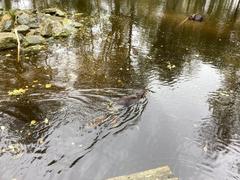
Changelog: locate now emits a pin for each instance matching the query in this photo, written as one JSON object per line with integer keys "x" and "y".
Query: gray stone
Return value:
{"x": 33, "y": 32}
{"x": 22, "y": 28}
{"x": 161, "y": 173}
{"x": 6, "y": 23}
{"x": 34, "y": 23}
{"x": 77, "y": 24}
{"x": 7, "y": 40}
{"x": 33, "y": 40}
{"x": 34, "y": 48}
{"x": 53, "y": 27}
{"x": 23, "y": 18}
{"x": 55, "y": 11}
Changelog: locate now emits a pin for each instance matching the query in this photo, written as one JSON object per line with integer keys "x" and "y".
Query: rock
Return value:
{"x": 33, "y": 40}
{"x": 27, "y": 17}
{"x": 7, "y": 40}
{"x": 35, "y": 48}
{"x": 53, "y": 27}
{"x": 6, "y": 23}
{"x": 23, "y": 18}
{"x": 46, "y": 28}
{"x": 34, "y": 22}
{"x": 55, "y": 11}
{"x": 33, "y": 32}
{"x": 77, "y": 24}
{"x": 69, "y": 25}
{"x": 22, "y": 28}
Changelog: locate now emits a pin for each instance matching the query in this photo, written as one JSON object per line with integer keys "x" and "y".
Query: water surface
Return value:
{"x": 190, "y": 121}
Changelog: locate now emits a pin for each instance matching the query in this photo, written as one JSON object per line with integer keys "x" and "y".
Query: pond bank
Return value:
{"x": 35, "y": 28}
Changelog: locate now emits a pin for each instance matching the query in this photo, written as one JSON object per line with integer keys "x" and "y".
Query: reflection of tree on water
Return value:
{"x": 109, "y": 61}
{"x": 219, "y": 134}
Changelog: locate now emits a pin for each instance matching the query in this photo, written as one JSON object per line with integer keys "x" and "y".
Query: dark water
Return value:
{"x": 191, "y": 121}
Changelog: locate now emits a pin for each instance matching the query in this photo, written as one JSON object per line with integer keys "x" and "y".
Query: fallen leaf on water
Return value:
{"x": 48, "y": 86}
{"x": 17, "y": 92}
{"x": 119, "y": 81}
{"x": 171, "y": 66}
{"x": 205, "y": 148}
{"x": 33, "y": 122}
{"x": 11, "y": 147}
{"x": 46, "y": 120}
{"x": 8, "y": 55}
{"x": 40, "y": 141}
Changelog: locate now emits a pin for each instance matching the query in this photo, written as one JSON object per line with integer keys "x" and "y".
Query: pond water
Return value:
{"x": 189, "y": 120}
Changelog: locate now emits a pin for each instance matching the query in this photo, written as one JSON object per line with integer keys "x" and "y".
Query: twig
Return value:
{"x": 19, "y": 45}
{"x": 183, "y": 21}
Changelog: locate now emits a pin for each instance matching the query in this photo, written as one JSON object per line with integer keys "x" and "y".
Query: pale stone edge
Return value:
{"x": 162, "y": 171}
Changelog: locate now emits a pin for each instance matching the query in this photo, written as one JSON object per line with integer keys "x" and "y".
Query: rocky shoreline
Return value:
{"x": 34, "y": 28}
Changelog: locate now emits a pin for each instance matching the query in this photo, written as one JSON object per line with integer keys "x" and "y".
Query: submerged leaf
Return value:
{"x": 40, "y": 140}
{"x": 17, "y": 92}
{"x": 46, "y": 120}
{"x": 205, "y": 148}
{"x": 33, "y": 122}
{"x": 48, "y": 86}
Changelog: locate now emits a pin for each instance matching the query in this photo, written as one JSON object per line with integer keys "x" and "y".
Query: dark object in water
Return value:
{"x": 196, "y": 17}
{"x": 132, "y": 99}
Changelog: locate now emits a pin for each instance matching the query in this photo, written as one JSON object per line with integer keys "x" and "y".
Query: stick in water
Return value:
{"x": 19, "y": 45}
{"x": 183, "y": 21}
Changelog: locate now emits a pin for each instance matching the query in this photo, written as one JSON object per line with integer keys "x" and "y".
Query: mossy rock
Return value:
{"x": 7, "y": 40}
{"x": 33, "y": 40}
{"x": 6, "y": 23}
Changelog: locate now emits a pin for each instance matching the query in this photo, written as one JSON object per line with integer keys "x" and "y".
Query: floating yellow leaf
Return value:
{"x": 119, "y": 81}
{"x": 8, "y": 55}
{"x": 17, "y": 92}
{"x": 170, "y": 66}
{"x": 11, "y": 147}
{"x": 35, "y": 81}
{"x": 33, "y": 122}
{"x": 40, "y": 141}
{"x": 205, "y": 148}
{"x": 48, "y": 86}
{"x": 46, "y": 120}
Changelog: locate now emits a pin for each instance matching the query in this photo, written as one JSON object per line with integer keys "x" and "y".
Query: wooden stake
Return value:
{"x": 19, "y": 45}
